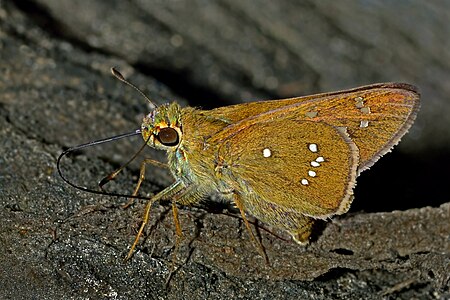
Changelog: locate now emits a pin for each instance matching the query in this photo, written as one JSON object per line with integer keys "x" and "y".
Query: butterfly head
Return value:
{"x": 161, "y": 128}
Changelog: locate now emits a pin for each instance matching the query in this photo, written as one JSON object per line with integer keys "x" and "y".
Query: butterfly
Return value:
{"x": 286, "y": 162}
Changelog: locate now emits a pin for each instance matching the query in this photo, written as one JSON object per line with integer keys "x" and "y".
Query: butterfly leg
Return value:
{"x": 179, "y": 236}
{"x": 164, "y": 194}
{"x": 186, "y": 197}
{"x": 240, "y": 205}
{"x": 142, "y": 176}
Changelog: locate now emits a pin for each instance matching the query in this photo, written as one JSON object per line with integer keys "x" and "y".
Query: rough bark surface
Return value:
{"x": 56, "y": 91}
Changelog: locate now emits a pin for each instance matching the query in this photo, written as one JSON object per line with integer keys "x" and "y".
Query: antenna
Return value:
{"x": 111, "y": 176}
{"x": 119, "y": 76}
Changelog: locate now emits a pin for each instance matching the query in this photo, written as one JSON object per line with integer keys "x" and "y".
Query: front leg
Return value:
{"x": 167, "y": 193}
{"x": 142, "y": 176}
{"x": 142, "y": 172}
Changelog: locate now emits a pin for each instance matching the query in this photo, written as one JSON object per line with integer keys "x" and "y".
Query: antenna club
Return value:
{"x": 119, "y": 76}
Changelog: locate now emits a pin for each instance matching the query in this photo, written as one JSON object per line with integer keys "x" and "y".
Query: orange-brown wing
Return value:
{"x": 308, "y": 167}
{"x": 376, "y": 116}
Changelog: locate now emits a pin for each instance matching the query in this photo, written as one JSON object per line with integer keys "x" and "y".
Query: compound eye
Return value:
{"x": 168, "y": 136}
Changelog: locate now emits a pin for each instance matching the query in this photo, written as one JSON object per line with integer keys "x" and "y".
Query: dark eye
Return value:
{"x": 168, "y": 136}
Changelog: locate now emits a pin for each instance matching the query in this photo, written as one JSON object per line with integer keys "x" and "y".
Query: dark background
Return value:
{"x": 56, "y": 91}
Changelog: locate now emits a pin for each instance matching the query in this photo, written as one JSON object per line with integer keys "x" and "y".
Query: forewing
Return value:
{"x": 304, "y": 166}
{"x": 375, "y": 116}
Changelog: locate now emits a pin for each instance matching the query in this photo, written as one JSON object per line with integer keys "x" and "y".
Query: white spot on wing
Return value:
{"x": 364, "y": 124}
{"x": 267, "y": 152}
{"x": 359, "y": 102}
{"x": 315, "y": 164}
{"x": 312, "y": 173}
{"x": 312, "y": 147}
{"x": 311, "y": 114}
{"x": 365, "y": 110}
{"x": 305, "y": 181}
{"x": 320, "y": 159}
